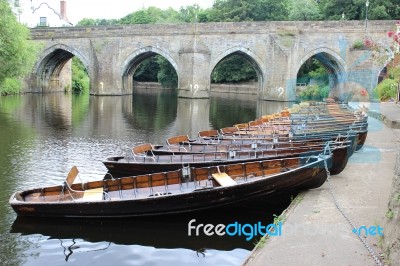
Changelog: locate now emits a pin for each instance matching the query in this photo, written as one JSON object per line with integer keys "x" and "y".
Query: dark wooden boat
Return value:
{"x": 144, "y": 161}
{"x": 238, "y": 138}
{"x": 179, "y": 191}
{"x": 183, "y": 145}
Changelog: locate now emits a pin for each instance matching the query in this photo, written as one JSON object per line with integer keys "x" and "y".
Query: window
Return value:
{"x": 43, "y": 22}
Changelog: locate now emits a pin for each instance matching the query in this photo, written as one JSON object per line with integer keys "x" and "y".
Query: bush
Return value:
{"x": 80, "y": 78}
{"x": 359, "y": 45}
{"x": 314, "y": 92}
{"x": 386, "y": 90}
{"x": 10, "y": 86}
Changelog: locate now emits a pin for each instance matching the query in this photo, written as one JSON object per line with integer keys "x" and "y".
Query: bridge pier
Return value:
{"x": 194, "y": 78}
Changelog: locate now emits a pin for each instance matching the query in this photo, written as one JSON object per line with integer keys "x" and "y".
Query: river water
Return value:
{"x": 43, "y": 135}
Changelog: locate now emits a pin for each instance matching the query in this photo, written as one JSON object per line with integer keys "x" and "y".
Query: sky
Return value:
{"x": 108, "y": 9}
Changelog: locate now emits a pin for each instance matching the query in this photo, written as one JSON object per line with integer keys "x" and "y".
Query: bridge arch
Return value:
{"x": 335, "y": 65}
{"x": 49, "y": 67}
{"x": 133, "y": 61}
{"x": 248, "y": 55}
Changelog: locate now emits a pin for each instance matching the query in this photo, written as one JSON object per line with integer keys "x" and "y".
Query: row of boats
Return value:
{"x": 275, "y": 154}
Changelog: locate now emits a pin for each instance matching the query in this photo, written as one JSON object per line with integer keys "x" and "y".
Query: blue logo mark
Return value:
{"x": 372, "y": 230}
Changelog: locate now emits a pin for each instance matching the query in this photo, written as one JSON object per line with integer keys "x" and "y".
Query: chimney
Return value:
{"x": 63, "y": 10}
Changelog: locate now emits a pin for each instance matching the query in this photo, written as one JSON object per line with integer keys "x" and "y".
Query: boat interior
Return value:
{"x": 185, "y": 180}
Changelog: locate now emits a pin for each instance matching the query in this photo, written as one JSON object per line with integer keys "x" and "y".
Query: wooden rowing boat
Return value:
{"x": 183, "y": 145}
{"x": 179, "y": 191}
{"x": 294, "y": 136}
{"x": 144, "y": 161}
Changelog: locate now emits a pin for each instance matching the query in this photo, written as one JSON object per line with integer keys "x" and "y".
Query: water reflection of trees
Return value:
{"x": 227, "y": 110}
{"x": 152, "y": 110}
{"x": 14, "y": 142}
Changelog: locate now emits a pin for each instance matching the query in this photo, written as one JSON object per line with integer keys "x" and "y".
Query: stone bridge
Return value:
{"x": 277, "y": 50}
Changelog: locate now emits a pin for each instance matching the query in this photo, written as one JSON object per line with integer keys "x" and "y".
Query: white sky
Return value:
{"x": 108, "y": 9}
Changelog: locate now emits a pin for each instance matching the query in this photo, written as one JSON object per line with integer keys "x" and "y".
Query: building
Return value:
{"x": 44, "y": 13}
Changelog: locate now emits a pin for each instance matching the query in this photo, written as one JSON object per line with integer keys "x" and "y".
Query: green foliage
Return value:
{"x": 386, "y": 90}
{"x": 233, "y": 69}
{"x": 313, "y": 69}
{"x": 96, "y": 22}
{"x": 167, "y": 75}
{"x": 80, "y": 107}
{"x": 17, "y": 53}
{"x": 394, "y": 73}
{"x": 10, "y": 86}
{"x": 80, "y": 77}
{"x": 304, "y": 10}
{"x": 250, "y": 10}
{"x": 390, "y": 214}
{"x": 314, "y": 92}
{"x": 188, "y": 14}
{"x": 151, "y": 15}
{"x": 319, "y": 73}
{"x": 356, "y": 9}
{"x": 358, "y": 45}
{"x": 147, "y": 70}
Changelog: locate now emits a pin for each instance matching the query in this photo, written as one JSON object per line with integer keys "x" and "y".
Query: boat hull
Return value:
{"x": 311, "y": 175}
{"x": 117, "y": 168}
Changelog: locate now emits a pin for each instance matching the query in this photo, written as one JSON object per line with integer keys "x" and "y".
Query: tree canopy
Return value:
{"x": 17, "y": 53}
{"x": 260, "y": 10}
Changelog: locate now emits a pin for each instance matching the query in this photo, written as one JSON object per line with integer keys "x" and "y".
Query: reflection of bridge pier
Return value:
{"x": 193, "y": 115}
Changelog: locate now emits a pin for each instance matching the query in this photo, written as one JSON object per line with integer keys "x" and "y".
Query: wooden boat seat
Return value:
{"x": 144, "y": 151}
{"x": 93, "y": 194}
{"x": 242, "y": 126}
{"x": 87, "y": 195}
{"x": 73, "y": 173}
{"x": 223, "y": 179}
{"x": 213, "y": 133}
{"x": 209, "y": 136}
{"x": 178, "y": 140}
{"x": 229, "y": 130}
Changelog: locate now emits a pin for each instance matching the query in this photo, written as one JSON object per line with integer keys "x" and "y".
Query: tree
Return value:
{"x": 151, "y": 15}
{"x": 248, "y": 10}
{"x": 356, "y": 9}
{"x": 96, "y": 22}
{"x": 167, "y": 75}
{"x": 80, "y": 77}
{"x": 147, "y": 70}
{"x": 17, "y": 53}
{"x": 334, "y": 9}
{"x": 304, "y": 10}
{"x": 233, "y": 69}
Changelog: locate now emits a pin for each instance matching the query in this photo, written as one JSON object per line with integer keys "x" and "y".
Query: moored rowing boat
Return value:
{"x": 179, "y": 191}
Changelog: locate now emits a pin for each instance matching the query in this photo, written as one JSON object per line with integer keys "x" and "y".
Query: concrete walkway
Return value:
{"x": 315, "y": 232}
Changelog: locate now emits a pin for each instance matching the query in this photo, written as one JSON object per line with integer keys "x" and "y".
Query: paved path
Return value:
{"x": 315, "y": 232}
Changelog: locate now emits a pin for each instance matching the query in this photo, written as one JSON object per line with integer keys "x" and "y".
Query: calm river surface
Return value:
{"x": 43, "y": 135}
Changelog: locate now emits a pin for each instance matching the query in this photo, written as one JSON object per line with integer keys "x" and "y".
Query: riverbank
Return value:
{"x": 315, "y": 232}
{"x": 238, "y": 87}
